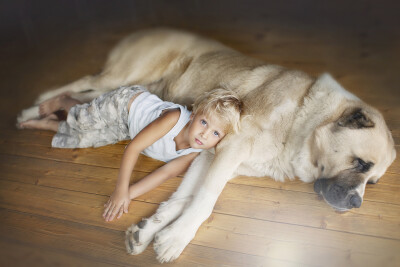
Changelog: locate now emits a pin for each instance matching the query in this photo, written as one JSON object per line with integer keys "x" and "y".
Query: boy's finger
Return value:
{"x": 109, "y": 213}
{"x": 113, "y": 212}
{"x": 118, "y": 212}
{"x": 121, "y": 211}
{"x": 107, "y": 208}
{"x": 105, "y": 211}
{"x": 126, "y": 206}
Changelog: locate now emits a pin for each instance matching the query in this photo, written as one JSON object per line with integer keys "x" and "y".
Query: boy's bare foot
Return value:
{"x": 47, "y": 123}
{"x": 59, "y": 102}
{"x": 51, "y": 105}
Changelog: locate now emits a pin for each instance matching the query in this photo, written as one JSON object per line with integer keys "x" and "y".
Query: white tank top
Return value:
{"x": 145, "y": 109}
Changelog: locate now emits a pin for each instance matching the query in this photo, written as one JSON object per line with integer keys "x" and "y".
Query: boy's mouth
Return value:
{"x": 198, "y": 142}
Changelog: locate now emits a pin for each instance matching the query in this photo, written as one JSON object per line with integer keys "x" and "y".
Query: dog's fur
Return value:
{"x": 292, "y": 126}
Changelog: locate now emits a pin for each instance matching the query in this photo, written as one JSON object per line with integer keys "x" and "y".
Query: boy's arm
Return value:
{"x": 119, "y": 200}
{"x": 157, "y": 177}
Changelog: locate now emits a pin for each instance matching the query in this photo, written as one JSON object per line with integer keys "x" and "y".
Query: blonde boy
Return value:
{"x": 159, "y": 129}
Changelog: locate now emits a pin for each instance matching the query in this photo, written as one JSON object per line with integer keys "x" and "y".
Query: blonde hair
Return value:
{"x": 222, "y": 103}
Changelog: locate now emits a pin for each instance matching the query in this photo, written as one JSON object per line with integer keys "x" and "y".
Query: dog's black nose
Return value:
{"x": 355, "y": 201}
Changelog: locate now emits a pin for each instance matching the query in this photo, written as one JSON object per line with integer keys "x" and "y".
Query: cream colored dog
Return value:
{"x": 293, "y": 126}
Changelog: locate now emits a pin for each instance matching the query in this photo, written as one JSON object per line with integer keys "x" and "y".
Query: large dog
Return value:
{"x": 292, "y": 126}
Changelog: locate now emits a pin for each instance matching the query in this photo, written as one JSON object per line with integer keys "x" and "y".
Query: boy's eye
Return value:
{"x": 203, "y": 122}
{"x": 216, "y": 134}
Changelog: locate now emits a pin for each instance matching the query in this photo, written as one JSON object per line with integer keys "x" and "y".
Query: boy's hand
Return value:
{"x": 117, "y": 204}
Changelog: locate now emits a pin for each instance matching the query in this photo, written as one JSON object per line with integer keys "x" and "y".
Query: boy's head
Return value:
{"x": 221, "y": 104}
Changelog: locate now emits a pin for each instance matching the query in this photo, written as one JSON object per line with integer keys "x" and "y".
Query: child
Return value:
{"x": 159, "y": 129}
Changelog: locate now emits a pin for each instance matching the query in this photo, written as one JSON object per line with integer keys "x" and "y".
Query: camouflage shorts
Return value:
{"x": 101, "y": 122}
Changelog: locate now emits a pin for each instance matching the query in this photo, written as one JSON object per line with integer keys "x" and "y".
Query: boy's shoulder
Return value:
{"x": 171, "y": 115}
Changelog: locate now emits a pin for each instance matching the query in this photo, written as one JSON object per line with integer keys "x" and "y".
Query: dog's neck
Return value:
{"x": 323, "y": 99}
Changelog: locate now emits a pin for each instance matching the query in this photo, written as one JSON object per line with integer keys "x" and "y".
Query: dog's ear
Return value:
{"x": 355, "y": 119}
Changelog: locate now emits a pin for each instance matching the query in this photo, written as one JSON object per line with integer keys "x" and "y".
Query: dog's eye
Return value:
{"x": 362, "y": 166}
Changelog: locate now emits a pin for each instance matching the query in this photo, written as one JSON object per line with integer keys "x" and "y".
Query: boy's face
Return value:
{"x": 204, "y": 132}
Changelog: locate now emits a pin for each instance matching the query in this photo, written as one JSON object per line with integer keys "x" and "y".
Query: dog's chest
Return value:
{"x": 262, "y": 169}
{"x": 265, "y": 159}
{"x": 268, "y": 147}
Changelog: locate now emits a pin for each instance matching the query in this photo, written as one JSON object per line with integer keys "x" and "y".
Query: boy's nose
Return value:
{"x": 205, "y": 134}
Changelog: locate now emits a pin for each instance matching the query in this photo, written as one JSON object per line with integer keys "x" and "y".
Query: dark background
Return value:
{"x": 32, "y": 22}
{"x": 47, "y": 43}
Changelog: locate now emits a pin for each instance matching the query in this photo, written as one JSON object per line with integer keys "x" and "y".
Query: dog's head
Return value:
{"x": 351, "y": 151}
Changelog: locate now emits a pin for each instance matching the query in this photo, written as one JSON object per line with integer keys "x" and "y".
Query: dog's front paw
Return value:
{"x": 170, "y": 242}
{"x": 138, "y": 237}
{"x": 28, "y": 114}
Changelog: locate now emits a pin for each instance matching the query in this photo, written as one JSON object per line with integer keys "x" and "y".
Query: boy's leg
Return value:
{"x": 59, "y": 102}
{"x": 48, "y": 123}
{"x": 101, "y": 122}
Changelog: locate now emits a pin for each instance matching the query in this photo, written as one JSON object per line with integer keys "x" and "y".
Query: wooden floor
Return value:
{"x": 51, "y": 200}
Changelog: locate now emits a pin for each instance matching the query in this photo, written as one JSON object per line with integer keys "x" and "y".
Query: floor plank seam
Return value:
{"x": 63, "y": 161}
{"x": 306, "y": 226}
{"x": 62, "y": 220}
{"x": 230, "y": 182}
{"x": 253, "y": 255}
{"x": 254, "y": 186}
{"x": 218, "y": 212}
{"x": 50, "y": 248}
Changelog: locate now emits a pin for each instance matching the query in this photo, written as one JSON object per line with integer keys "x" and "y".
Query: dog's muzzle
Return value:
{"x": 337, "y": 195}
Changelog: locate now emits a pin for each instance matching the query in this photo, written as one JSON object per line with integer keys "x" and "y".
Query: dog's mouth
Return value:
{"x": 339, "y": 209}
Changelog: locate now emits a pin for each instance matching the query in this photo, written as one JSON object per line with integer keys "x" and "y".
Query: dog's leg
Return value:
{"x": 139, "y": 236}
{"x": 84, "y": 90}
{"x": 170, "y": 242}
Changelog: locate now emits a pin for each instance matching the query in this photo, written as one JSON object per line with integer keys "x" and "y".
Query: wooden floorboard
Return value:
{"x": 15, "y": 253}
{"x": 96, "y": 180}
{"x": 51, "y": 200}
{"x": 96, "y": 245}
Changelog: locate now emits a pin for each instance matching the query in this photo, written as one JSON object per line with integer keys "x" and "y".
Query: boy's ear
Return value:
{"x": 191, "y": 116}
